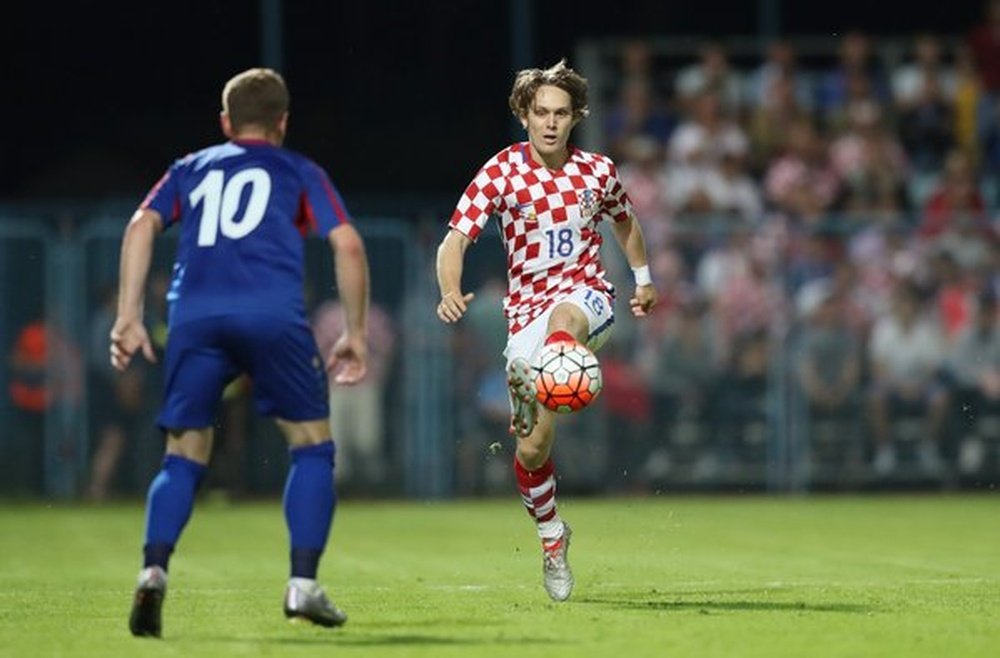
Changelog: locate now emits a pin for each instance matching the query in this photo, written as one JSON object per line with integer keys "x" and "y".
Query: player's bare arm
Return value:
{"x": 629, "y": 236}
{"x": 129, "y": 335}
{"x": 450, "y": 257}
{"x": 348, "y": 357}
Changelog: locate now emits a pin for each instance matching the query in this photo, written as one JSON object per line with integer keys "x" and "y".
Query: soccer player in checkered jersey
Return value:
{"x": 549, "y": 197}
{"x": 243, "y": 209}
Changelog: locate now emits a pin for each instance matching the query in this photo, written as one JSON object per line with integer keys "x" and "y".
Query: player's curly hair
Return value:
{"x": 527, "y": 82}
{"x": 256, "y": 97}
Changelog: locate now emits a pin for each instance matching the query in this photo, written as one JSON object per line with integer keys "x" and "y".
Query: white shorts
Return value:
{"x": 595, "y": 304}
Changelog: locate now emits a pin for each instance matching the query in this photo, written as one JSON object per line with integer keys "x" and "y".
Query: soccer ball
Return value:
{"x": 567, "y": 377}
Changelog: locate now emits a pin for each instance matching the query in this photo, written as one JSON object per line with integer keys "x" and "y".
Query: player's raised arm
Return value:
{"x": 348, "y": 359}
{"x": 629, "y": 236}
{"x": 128, "y": 334}
{"x": 450, "y": 258}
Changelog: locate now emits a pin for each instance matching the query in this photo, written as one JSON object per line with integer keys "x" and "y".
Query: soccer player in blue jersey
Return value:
{"x": 243, "y": 209}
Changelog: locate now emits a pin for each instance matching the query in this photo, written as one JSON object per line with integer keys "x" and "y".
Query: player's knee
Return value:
{"x": 194, "y": 445}
{"x": 305, "y": 433}
{"x": 530, "y": 458}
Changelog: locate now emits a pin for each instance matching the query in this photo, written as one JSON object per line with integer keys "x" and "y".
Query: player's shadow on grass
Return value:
{"x": 645, "y": 602}
{"x": 383, "y": 639}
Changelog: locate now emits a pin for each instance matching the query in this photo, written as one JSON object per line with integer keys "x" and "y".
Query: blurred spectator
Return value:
{"x": 957, "y": 197}
{"x": 802, "y": 183}
{"x": 727, "y": 260}
{"x": 828, "y": 358}
{"x": 741, "y": 409}
{"x": 812, "y": 257}
{"x": 711, "y": 74}
{"x": 772, "y": 119}
{"x": 857, "y": 76}
{"x": 706, "y": 136}
{"x": 637, "y": 64}
{"x": 748, "y": 304}
{"x": 870, "y": 162}
{"x": 884, "y": 255}
{"x": 642, "y": 173}
{"x": 733, "y": 191}
{"x": 637, "y": 113}
{"x": 925, "y": 93}
{"x": 46, "y": 373}
{"x": 670, "y": 274}
{"x": 118, "y": 403}
{"x": 969, "y": 242}
{"x": 46, "y": 369}
{"x": 974, "y": 369}
{"x": 626, "y": 401}
{"x": 907, "y": 352}
{"x": 488, "y": 327}
{"x": 724, "y": 190}
{"x": 780, "y": 67}
{"x": 696, "y": 153}
{"x": 912, "y": 81}
{"x": 984, "y": 43}
{"x": 681, "y": 369}
{"x": 954, "y": 295}
{"x": 484, "y": 414}
{"x": 356, "y": 412}
{"x": 852, "y": 300}
{"x": 968, "y": 91}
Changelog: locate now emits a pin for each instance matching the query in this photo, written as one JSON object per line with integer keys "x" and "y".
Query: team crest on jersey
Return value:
{"x": 527, "y": 213}
{"x": 589, "y": 203}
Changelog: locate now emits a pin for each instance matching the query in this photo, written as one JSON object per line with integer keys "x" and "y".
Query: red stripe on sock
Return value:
{"x": 545, "y": 497}
{"x": 548, "y": 517}
{"x": 527, "y": 479}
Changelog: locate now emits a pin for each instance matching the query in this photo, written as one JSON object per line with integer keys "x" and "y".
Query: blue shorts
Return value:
{"x": 280, "y": 356}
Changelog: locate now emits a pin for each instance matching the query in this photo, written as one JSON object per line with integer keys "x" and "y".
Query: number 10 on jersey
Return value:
{"x": 220, "y": 201}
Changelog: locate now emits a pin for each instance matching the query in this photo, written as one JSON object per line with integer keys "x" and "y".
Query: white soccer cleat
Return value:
{"x": 521, "y": 382}
{"x": 306, "y": 601}
{"x": 555, "y": 567}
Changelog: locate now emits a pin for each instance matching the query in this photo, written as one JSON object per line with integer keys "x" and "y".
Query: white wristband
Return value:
{"x": 642, "y": 276}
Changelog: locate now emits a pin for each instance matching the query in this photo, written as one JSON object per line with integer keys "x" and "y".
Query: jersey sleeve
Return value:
{"x": 165, "y": 197}
{"x": 480, "y": 199}
{"x": 617, "y": 205}
{"x": 321, "y": 208}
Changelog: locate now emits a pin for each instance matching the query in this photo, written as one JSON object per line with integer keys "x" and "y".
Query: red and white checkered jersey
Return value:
{"x": 548, "y": 222}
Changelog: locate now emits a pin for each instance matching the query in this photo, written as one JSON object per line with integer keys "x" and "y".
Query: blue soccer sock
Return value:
{"x": 309, "y": 503}
{"x": 168, "y": 507}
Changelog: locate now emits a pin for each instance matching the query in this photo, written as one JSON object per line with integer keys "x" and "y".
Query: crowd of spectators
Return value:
{"x": 844, "y": 214}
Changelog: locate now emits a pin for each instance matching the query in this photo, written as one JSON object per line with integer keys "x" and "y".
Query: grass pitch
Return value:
{"x": 729, "y": 576}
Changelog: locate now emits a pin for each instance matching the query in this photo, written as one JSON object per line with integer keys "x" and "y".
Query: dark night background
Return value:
{"x": 392, "y": 98}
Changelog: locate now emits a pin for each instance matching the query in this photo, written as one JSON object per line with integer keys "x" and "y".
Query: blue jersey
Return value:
{"x": 244, "y": 208}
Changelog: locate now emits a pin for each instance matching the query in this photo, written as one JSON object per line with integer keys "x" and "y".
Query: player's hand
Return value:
{"x": 348, "y": 360}
{"x": 453, "y": 306}
{"x": 644, "y": 300}
{"x": 128, "y": 336}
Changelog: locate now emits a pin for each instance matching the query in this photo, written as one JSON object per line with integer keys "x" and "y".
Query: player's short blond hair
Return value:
{"x": 256, "y": 97}
{"x": 527, "y": 82}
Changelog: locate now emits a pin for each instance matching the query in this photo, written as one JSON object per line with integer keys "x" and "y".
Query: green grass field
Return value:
{"x": 727, "y": 576}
